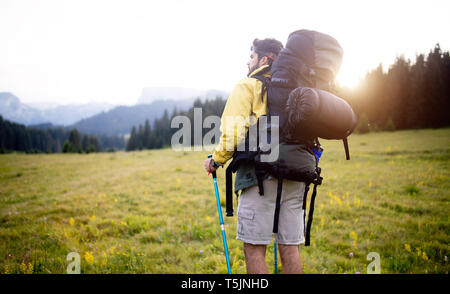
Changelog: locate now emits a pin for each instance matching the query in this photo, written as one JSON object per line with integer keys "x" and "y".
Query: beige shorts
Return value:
{"x": 256, "y": 214}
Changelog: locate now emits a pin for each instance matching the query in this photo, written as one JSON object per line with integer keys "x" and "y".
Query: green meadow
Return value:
{"x": 154, "y": 211}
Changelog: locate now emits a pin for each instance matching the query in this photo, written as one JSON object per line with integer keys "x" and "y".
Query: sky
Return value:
{"x": 65, "y": 51}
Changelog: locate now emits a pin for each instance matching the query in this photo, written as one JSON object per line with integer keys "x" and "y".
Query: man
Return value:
{"x": 255, "y": 212}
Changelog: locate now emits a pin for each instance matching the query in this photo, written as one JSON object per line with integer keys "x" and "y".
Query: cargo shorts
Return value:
{"x": 256, "y": 214}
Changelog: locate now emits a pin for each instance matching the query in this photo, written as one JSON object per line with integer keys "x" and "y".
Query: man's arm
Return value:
{"x": 235, "y": 120}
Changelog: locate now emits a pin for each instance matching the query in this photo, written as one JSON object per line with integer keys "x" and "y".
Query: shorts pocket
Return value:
{"x": 246, "y": 213}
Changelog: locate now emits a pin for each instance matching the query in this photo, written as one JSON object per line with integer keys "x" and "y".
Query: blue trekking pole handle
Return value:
{"x": 222, "y": 226}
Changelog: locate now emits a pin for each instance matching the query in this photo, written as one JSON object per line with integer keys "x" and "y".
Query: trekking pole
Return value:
{"x": 222, "y": 227}
{"x": 275, "y": 258}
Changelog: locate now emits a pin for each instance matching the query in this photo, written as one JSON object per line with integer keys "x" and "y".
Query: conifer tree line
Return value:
{"x": 18, "y": 137}
{"x": 409, "y": 95}
{"x": 159, "y": 134}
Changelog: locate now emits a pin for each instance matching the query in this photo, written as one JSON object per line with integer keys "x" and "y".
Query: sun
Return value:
{"x": 350, "y": 75}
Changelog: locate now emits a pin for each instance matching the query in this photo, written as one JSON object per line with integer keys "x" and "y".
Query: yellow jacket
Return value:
{"x": 243, "y": 103}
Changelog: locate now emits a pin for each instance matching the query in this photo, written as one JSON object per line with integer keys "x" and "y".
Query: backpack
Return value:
{"x": 298, "y": 95}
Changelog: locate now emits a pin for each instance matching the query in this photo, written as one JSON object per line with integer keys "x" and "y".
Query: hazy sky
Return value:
{"x": 78, "y": 51}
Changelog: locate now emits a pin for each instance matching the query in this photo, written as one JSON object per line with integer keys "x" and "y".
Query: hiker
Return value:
{"x": 256, "y": 213}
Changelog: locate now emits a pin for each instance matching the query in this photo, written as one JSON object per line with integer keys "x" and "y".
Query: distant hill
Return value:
{"x": 103, "y": 118}
{"x": 120, "y": 120}
{"x": 71, "y": 113}
{"x": 11, "y": 108}
{"x": 149, "y": 95}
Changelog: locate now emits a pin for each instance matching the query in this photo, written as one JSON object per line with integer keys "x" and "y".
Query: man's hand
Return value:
{"x": 210, "y": 165}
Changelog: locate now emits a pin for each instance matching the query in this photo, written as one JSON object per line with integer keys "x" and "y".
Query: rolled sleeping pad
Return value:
{"x": 315, "y": 112}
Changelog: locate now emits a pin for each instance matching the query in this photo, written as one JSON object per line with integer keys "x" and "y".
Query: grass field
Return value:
{"x": 155, "y": 211}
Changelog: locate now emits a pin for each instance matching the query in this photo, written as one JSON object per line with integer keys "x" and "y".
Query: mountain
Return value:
{"x": 11, "y": 108}
{"x": 120, "y": 120}
{"x": 148, "y": 95}
{"x": 71, "y": 113}
{"x": 103, "y": 118}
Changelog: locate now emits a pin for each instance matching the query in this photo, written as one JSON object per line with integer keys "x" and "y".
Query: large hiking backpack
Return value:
{"x": 298, "y": 96}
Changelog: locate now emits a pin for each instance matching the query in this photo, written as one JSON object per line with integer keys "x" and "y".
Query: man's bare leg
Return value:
{"x": 255, "y": 259}
{"x": 290, "y": 259}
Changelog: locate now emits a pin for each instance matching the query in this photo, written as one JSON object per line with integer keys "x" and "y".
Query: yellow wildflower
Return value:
{"x": 26, "y": 269}
{"x": 407, "y": 247}
{"x": 370, "y": 184}
{"x": 23, "y": 267}
{"x": 338, "y": 200}
{"x": 354, "y": 236}
{"x": 30, "y": 268}
{"x": 93, "y": 218}
{"x": 424, "y": 255}
{"x": 357, "y": 201}
{"x": 104, "y": 259}
{"x": 322, "y": 221}
{"x": 89, "y": 257}
{"x": 71, "y": 222}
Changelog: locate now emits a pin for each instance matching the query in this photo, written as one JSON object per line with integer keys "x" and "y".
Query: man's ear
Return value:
{"x": 263, "y": 61}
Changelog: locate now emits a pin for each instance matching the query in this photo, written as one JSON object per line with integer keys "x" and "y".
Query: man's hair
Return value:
{"x": 268, "y": 47}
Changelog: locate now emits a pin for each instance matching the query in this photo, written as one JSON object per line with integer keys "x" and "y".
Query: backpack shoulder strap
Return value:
{"x": 264, "y": 80}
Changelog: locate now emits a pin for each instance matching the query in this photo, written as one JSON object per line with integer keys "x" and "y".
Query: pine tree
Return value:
{"x": 85, "y": 143}
{"x": 147, "y": 135}
{"x": 68, "y": 147}
{"x": 74, "y": 138}
{"x": 419, "y": 85}
{"x": 132, "y": 141}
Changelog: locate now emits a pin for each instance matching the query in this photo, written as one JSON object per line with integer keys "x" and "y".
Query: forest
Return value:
{"x": 18, "y": 137}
